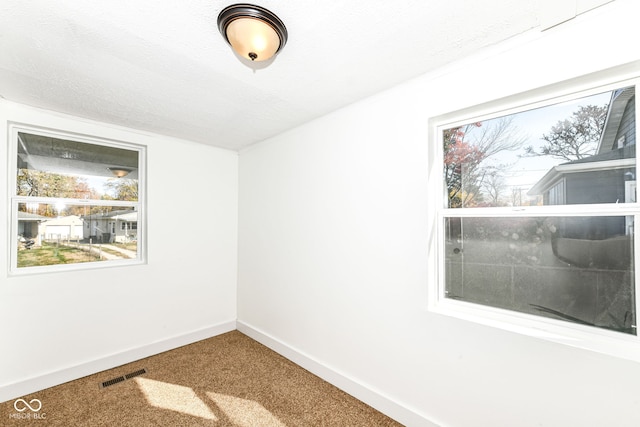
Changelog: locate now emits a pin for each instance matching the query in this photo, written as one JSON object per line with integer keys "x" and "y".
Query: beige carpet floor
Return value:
{"x": 228, "y": 380}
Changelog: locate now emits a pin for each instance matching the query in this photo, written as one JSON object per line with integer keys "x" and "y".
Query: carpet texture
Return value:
{"x": 228, "y": 380}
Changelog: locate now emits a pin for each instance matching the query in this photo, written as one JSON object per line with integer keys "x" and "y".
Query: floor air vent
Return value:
{"x": 111, "y": 382}
{"x": 122, "y": 378}
{"x": 135, "y": 374}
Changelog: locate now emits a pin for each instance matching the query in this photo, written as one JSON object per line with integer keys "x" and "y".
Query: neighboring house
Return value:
{"x": 64, "y": 227}
{"x": 606, "y": 177}
{"x": 609, "y": 176}
{"x": 116, "y": 226}
{"x": 29, "y": 224}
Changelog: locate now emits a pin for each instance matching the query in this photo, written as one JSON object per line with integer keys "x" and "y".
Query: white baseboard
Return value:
{"x": 32, "y": 385}
{"x": 366, "y": 394}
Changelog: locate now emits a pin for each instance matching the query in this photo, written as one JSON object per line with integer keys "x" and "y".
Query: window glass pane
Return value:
{"x": 576, "y": 152}
{"x": 577, "y": 269}
{"x": 59, "y": 233}
{"x": 53, "y": 167}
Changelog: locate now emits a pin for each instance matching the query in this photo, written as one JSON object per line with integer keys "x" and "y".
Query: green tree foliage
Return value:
{"x": 47, "y": 184}
{"x": 34, "y": 183}
{"x": 575, "y": 137}
{"x": 122, "y": 189}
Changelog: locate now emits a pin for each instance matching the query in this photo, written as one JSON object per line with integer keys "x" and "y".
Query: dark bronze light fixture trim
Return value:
{"x": 246, "y": 11}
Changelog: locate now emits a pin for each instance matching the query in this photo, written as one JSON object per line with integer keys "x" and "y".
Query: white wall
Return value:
{"x": 56, "y": 327}
{"x": 333, "y": 252}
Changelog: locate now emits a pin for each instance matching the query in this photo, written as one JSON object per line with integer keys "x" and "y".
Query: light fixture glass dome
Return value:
{"x": 253, "y": 39}
{"x": 253, "y": 32}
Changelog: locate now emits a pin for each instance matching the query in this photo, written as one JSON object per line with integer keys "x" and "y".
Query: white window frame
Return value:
{"x": 604, "y": 341}
{"x": 14, "y": 200}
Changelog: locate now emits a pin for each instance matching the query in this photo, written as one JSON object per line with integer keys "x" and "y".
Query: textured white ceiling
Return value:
{"x": 162, "y": 65}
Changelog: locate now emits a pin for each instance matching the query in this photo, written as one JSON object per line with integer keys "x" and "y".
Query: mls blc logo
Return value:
{"x": 21, "y": 405}
{"x": 28, "y": 410}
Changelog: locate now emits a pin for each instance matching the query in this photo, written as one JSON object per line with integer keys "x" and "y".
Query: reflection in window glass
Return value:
{"x": 54, "y": 167}
{"x": 576, "y": 152}
{"x": 76, "y": 200}
{"x": 577, "y": 269}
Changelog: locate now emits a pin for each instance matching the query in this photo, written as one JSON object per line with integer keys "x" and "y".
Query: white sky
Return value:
{"x": 532, "y": 124}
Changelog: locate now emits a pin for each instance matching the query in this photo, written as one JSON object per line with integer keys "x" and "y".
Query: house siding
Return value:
{"x": 606, "y": 186}
{"x": 628, "y": 123}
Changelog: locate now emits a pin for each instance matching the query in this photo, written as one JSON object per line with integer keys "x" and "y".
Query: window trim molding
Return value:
{"x": 13, "y": 128}
{"x": 591, "y": 338}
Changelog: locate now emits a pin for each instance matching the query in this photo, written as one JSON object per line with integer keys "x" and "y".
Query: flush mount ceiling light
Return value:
{"x": 252, "y": 31}
{"x": 119, "y": 172}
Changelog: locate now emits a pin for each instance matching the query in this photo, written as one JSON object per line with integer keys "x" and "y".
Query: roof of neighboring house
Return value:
{"x": 111, "y": 214}
{"x": 123, "y": 214}
{"x": 627, "y": 152}
{"x": 616, "y": 159}
{"x": 619, "y": 100}
{"x": 26, "y": 216}
{"x": 128, "y": 216}
{"x": 64, "y": 220}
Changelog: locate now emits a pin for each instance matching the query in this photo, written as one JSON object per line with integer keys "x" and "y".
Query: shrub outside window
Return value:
{"x": 76, "y": 201}
{"x": 536, "y": 226}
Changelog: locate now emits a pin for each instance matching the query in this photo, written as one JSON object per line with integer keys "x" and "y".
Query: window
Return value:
{"x": 536, "y": 225}
{"x": 128, "y": 226}
{"x": 555, "y": 196}
{"x": 69, "y": 192}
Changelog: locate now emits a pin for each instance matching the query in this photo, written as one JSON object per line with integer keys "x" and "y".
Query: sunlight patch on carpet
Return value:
{"x": 174, "y": 398}
{"x": 243, "y": 412}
